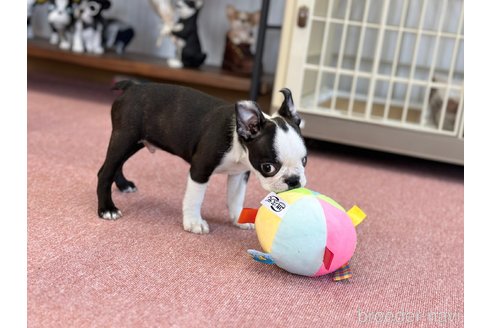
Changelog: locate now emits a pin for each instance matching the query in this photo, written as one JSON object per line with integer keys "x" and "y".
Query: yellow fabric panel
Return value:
{"x": 266, "y": 226}
{"x": 294, "y": 195}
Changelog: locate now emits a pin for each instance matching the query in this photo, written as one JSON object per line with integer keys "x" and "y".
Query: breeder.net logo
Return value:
{"x": 437, "y": 318}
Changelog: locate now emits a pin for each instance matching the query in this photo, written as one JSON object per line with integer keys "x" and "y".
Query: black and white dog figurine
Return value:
{"x": 185, "y": 33}
{"x": 60, "y": 19}
{"x": 212, "y": 135}
{"x": 89, "y": 26}
{"x": 117, "y": 35}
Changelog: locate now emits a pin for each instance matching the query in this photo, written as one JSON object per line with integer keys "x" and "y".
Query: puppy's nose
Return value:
{"x": 293, "y": 182}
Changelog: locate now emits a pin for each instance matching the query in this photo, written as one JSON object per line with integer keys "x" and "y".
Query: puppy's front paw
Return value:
{"x": 195, "y": 225}
{"x": 235, "y": 217}
{"x": 112, "y": 214}
{"x": 245, "y": 226}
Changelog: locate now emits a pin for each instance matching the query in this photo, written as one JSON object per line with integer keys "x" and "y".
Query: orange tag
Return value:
{"x": 248, "y": 215}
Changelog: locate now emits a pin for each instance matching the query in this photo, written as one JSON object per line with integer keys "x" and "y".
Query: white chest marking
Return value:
{"x": 235, "y": 161}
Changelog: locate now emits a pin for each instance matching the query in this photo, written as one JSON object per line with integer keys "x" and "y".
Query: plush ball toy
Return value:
{"x": 305, "y": 232}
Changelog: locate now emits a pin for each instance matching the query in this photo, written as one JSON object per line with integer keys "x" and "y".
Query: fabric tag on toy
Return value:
{"x": 356, "y": 215}
{"x": 261, "y": 257}
{"x": 275, "y": 204}
{"x": 343, "y": 273}
{"x": 327, "y": 258}
{"x": 248, "y": 215}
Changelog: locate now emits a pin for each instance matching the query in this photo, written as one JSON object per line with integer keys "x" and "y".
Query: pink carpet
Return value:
{"x": 145, "y": 271}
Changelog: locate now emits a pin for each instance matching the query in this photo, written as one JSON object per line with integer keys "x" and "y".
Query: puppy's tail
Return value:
{"x": 123, "y": 85}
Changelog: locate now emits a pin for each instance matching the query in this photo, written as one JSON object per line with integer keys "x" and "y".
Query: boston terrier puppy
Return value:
{"x": 212, "y": 135}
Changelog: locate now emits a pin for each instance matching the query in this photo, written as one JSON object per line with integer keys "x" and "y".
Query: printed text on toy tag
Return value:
{"x": 275, "y": 204}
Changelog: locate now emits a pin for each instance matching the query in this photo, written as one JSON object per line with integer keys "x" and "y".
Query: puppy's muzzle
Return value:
{"x": 293, "y": 182}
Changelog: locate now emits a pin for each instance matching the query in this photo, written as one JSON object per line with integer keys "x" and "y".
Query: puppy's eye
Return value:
{"x": 268, "y": 169}
{"x": 304, "y": 161}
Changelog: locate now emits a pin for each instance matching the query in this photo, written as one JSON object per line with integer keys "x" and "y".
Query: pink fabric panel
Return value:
{"x": 341, "y": 237}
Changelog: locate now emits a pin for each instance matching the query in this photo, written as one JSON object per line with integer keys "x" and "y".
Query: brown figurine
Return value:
{"x": 238, "y": 57}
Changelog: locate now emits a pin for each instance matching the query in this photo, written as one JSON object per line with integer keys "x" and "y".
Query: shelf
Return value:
{"x": 147, "y": 66}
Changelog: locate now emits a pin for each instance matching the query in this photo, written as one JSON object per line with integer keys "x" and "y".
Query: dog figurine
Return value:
{"x": 238, "y": 57}
{"x": 213, "y": 136}
{"x": 188, "y": 48}
{"x": 163, "y": 9}
{"x": 89, "y": 26}
{"x": 60, "y": 19}
{"x": 117, "y": 35}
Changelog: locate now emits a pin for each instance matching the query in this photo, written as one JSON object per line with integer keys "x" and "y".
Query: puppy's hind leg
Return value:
{"x": 123, "y": 184}
{"x": 236, "y": 190}
{"x": 121, "y": 147}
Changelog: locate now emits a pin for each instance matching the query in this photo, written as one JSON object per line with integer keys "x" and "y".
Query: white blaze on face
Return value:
{"x": 290, "y": 150}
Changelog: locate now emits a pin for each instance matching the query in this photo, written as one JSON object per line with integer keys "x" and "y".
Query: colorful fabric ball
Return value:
{"x": 304, "y": 232}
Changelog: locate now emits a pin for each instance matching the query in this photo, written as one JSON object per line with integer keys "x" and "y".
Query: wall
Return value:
{"x": 212, "y": 24}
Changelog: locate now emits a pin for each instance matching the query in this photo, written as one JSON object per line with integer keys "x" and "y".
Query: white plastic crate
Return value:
{"x": 392, "y": 62}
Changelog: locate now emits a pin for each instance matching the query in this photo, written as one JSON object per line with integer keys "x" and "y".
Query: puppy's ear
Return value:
{"x": 287, "y": 109}
{"x": 249, "y": 119}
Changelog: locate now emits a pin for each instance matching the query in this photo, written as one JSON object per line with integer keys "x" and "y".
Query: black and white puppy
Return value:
{"x": 212, "y": 135}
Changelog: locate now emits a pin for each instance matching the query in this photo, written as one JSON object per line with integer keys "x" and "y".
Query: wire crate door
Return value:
{"x": 389, "y": 62}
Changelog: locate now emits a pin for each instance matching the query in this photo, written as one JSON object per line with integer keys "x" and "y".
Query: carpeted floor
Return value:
{"x": 145, "y": 271}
